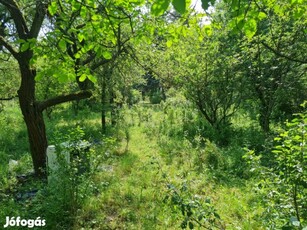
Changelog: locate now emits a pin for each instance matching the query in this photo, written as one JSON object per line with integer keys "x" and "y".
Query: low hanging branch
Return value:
{"x": 63, "y": 98}
{"x": 8, "y": 98}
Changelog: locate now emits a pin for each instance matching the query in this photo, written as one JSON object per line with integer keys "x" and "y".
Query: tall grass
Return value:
{"x": 158, "y": 163}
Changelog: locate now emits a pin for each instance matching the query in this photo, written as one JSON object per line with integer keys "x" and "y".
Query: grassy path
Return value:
{"x": 131, "y": 198}
{"x": 133, "y": 188}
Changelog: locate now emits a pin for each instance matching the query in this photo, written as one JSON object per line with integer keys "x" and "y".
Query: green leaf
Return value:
{"x": 191, "y": 225}
{"x": 92, "y": 78}
{"x": 83, "y": 12}
{"x": 207, "y": 30}
{"x": 179, "y": 5}
{"x": 62, "y": 45}
{"x": 80, "y": 37}
{"x": 107, "y": 55}
{"x": 39, "y": 76}
{"x": 169, "y": 43}
{"x": 205, "y": 3}
{"x": 52, "y": 8}
{"x": 159, "y": 7}
{"x": 250, "y": 28}
{"x": 95, "y": 17}
{"x": 82, "y": 77}
{"x": 77, "y": 55}
{"x": 63, "y": 78}
{"x": 262, "y": 16}
{"x": 75, "y": 6}
{"x": 25, "y": 46}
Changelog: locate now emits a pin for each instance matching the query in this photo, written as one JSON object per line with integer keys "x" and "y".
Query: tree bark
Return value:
{"x": 264, "y": 119}
{"x": 103, "y": 106}
{"x": 113, "y": 108}
{"x": 33, "y": 118}
{"x": 32, "y": 111}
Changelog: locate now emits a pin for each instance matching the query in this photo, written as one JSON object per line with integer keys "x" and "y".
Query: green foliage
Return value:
{"x": 52, "y": 8}
{"x": 8, "y": 78}
{"x": 196, "y": 211}
{"x": 208, "y": 155}
{"x": 156, "y": 97}
{"x": 210, "y": 75}
{"x": 290, "y": 154}
{"x": 70, "y": 185}
{"x": 284, "y": 184}
{"x": 179, "y": 5}
{"x": 159, "y": 7}
{"x": 205, "y": 3}
{"x": 123, "y": 188}
{"x": 271, "y": 75}
{"x": 215, "y": 67}
{"x": 13, "y": 136}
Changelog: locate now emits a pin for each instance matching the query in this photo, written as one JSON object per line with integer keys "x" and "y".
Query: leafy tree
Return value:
{"x": 21, "y": 24}
{"x": 210, "y": 75}
{"x": 72, "y": 42}
{"x": 276, "y": 80}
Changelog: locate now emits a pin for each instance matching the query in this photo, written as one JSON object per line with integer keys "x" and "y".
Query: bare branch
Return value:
{"x": 63, "y": 98}
{"x": 8, "y": 98}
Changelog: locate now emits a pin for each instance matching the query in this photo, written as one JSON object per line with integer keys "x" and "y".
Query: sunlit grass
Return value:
{"x": 130, "y": 184}
{"x": 137, "y": 186}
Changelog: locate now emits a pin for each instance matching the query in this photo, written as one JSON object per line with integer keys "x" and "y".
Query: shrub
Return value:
{"x": 284, "y": 183}
{"x": 195, "y": 211}
{"x": 156, "y": 97}
{"x": 207, "y": 155}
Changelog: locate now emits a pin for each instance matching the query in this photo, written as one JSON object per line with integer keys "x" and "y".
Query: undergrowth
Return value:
{"x": 160, "y": 167}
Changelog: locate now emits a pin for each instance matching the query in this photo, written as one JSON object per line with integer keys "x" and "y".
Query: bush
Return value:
{"x": 284, "y": 184}
{"x": 195, "y": 210}
{"x": 156, "y": 97}
{"x": 207, "y": 155}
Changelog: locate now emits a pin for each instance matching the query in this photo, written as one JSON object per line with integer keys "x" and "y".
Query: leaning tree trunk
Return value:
{"x": 32, "y": 111}
{"x": 34, "y": 120}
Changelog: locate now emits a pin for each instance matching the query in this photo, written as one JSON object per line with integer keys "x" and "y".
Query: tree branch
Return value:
{"x": 138, "y": 62}
{"x": 17, "y": 16}
{"x": 63, "y": 98}
{"x": 99, "y": 63}
{"x": 8, "y": 98}
{"x": 8, "y": 47}
{"x": 38, "y": 19}
{"x": 283, "y": 55}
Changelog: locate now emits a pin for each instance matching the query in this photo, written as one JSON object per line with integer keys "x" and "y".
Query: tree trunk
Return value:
{"x": 103, "y": 106}
{"x": 113, "y": 109}
{"x": 265, "y": 115}
{"x": 32, "y": 111}
{"x": 264, "y": 121}
{"x": 34, "y": 120}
